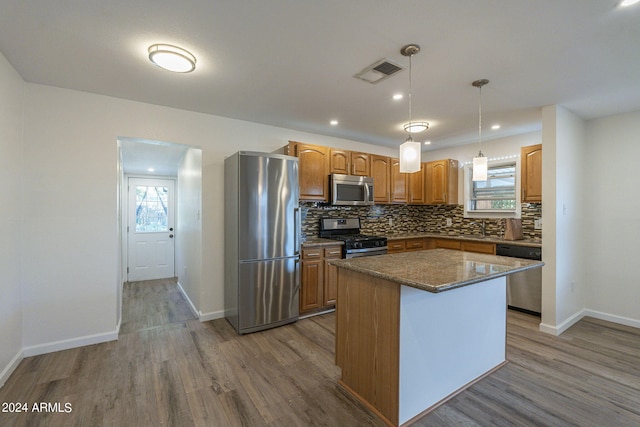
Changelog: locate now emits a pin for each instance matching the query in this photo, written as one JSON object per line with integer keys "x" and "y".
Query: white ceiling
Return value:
{"x": 290, "y": 63}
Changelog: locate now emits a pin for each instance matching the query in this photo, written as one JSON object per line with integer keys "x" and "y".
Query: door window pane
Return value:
{"x": 151, "y": 208}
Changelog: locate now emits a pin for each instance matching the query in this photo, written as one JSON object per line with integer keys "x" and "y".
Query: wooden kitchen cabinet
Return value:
{"x": 313, "y": 170}
{"x": 395, "y": 246}
{"x": 330, "y": 288}
{"x": 399, "y": 183}
{"x": 415, "y": 244}
{"x": 380, "y": 172}
{"x": 441, "y": 182}
{"x": 318, "y": 281}
{"x": 483, "y": 248}
{"x": 416, "y": 186}
{"x": 406, "y": 245}
{"x": 446, "y": 244}
{"x": 349, "y": 162}
{"x": 531, "y": 173}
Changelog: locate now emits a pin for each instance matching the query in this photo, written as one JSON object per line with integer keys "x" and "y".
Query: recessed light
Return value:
{"x": 427, "y": 143}
{"x": 398, "y": 96}
{"x": 172, "y": 58}
{"x": 333, "y": 123}
{"x": 495, "y": 127}
{"x": 626, "y": 3}
{"x": 151, "y": 170}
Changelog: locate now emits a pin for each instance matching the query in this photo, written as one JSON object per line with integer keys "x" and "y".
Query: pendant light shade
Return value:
{"x": 480, "y": 165}
{"x": 410, "y": 156}
{"x": 410, "y": 151}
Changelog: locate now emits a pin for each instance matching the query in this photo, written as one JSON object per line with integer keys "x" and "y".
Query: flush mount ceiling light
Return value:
{"x": 416, "y": 127}
{"x": 172, "y": 58}
{"x": 480, "y": 162}
{"x": 626, "y": 3}
{"x": 410, "y": 151}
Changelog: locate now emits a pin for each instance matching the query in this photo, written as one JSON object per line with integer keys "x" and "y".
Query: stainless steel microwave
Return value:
{"x": 351, "y": 190}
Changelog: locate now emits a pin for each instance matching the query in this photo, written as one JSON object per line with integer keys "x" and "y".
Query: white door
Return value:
{"x": 150, "y": 229}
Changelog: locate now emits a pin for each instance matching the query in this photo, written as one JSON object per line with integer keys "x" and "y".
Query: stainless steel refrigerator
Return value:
{"x": 261, "y": 240}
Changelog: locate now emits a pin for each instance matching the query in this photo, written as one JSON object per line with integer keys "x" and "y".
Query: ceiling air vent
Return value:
{"x": 379, "y": 71}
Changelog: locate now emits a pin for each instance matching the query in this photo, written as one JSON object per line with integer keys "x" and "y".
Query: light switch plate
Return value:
{"x": 537, "y": 224}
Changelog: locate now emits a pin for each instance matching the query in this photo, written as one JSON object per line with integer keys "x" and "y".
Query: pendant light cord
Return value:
{"x": 410, "y": 67}
{"x": 480, "y": 123}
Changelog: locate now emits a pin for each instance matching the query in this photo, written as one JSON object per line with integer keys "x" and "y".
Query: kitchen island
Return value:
{"x": 415, "y": 328}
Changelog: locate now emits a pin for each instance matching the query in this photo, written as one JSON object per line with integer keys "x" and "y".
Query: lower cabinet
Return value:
{"x": 419, "y": 244}
{"x": 318, "y": 282}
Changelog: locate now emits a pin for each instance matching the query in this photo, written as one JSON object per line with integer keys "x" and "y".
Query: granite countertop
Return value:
{"x": 313, "y": 242}
{"x": 537, "y": 243}
{"x": 437, "y": 270}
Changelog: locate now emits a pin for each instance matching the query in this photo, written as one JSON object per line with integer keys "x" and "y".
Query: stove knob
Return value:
{"x": 357, "y": 245}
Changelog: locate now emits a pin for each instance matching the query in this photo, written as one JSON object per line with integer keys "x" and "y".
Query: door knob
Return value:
{"x": 171, "y": 236}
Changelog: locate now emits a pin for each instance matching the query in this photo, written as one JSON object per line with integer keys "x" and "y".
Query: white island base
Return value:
{"x": 447, "y": 341}
{"x": 403, "y": 351}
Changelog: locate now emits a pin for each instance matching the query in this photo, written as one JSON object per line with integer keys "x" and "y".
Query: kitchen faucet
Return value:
{"x": 483, "y": 227}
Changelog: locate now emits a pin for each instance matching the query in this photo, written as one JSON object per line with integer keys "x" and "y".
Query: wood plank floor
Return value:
{"x": 169, "y": 369}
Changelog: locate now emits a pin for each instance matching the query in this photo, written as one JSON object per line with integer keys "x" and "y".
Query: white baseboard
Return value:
{"x": 558, "y": 329}
{"x": 612, "y": 318}
{"x": 193, "y": 308}
{"x": 203, "y": 317}
{"x": 213, "y": 315}
{"x": 8, "y": 370}
{"x": 70, "y": 343}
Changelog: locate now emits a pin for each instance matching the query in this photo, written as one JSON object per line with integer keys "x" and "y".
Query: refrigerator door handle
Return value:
{"x": 297, "y": 225}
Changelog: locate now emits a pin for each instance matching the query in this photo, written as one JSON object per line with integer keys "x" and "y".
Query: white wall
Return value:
{"x": 611, "y": 229}
{"x": 563, "y": 300}
{"x": 71, "y": 238}
{"x": 189, "y": 226}
{"x": 12, "y": 96}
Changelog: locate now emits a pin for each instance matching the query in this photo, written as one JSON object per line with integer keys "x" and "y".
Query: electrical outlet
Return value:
{"x": 537, "y": 223}
{"x": 390, "y": 222}
{"x": 449, "y": 222}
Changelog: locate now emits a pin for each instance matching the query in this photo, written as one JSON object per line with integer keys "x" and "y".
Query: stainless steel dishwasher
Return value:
{"x": 524, "y": 289}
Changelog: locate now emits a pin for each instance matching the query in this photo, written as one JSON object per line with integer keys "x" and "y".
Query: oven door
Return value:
{"x": 357, "y": 253}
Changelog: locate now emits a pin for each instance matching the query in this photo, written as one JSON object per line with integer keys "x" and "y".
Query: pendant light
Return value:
{"x": 480, "y": 162}
{"x": 410, "y": 151}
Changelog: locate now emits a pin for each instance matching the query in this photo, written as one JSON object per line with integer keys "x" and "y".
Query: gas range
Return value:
{"x": 348, "y": 231}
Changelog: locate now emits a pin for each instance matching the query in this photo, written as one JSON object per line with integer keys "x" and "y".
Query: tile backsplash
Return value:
{"x": 414, "y": 219}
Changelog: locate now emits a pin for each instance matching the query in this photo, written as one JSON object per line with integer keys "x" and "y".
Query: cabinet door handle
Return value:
{"x": 335, "y": 252}
{"x": 309, "y": 255}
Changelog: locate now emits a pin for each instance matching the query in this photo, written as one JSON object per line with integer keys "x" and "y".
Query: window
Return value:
{"x": 151, "y": 208}
{"x": 497, "y": 197}
{"x": 498, "y": 192}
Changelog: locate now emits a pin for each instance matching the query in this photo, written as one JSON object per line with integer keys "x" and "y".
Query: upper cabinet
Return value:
{"x": 416, "y": 194}
{"x": 531, "y": 173}
{"x": 399, "y": 183}
{"x": 313, "y": 170}
{"x": 350, "y": 162}
{"x": 441, "y": 182}
{"x": 435, "y": 183}
{"x": 380, "y": 170}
